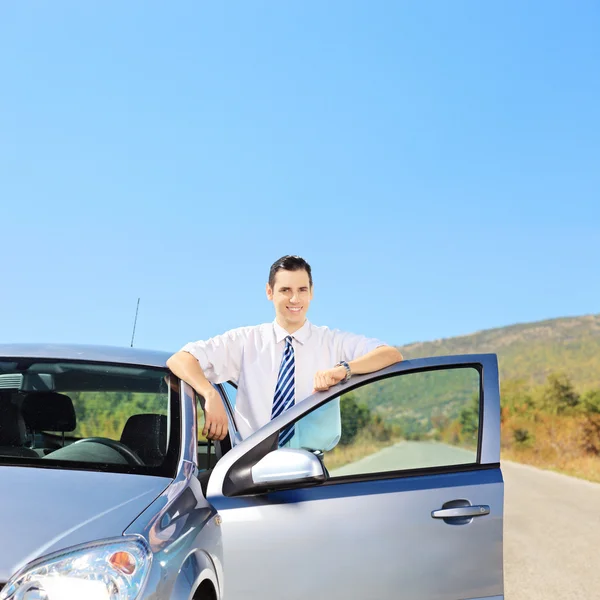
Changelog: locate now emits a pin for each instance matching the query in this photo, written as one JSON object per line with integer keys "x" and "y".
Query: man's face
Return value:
{"x": 291, "y": 295}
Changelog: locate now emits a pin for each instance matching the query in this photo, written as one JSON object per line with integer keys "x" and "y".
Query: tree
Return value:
{"x": 469, "y": 417}
{"x": 591, "y": 425}
{"x": 559, "y": 395}
{"x": 354, "y": 417}
{"x": 515, "y": 398}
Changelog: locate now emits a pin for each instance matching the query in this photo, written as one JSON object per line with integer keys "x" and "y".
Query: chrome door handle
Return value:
{"x": 461, "y": 511}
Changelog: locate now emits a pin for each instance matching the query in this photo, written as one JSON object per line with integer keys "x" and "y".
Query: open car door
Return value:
{"x": 408, "y": 503}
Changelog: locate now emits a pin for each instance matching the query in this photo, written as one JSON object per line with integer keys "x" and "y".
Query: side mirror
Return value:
{"x": 287, "y": 466}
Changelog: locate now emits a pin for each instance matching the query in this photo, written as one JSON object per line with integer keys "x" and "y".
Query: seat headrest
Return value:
{"x": 12, "y": 425}
{"x": 146, "y": 435}
{"x": 49, "y": 411}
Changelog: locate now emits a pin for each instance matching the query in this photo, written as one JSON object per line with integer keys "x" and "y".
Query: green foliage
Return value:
{"x": 378, "y": 430}
{"x": 591, "y": 425}
{"x": 558, "y": 395}
{"x": 354, "y": 418}
{"x": 521, "y": 435}
{"x": 535, "y": 359}
{"x": 516, "y": 395}
{"x": 591, "y": 402}
{"x": 357, "y": 420}
{"x": 469, "y": 418}
{"x": 419, "y": 402}
{"x": 104, "y": 414}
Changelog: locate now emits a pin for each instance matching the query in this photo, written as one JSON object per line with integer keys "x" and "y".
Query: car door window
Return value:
{"x": 416, "y": 420}
{"x": 231, "y": 391}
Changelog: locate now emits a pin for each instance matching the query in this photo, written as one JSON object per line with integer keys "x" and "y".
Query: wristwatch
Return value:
{"x": 346, "y": 366}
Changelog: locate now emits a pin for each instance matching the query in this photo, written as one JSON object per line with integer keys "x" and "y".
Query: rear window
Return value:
{"x": 79, "y": 415}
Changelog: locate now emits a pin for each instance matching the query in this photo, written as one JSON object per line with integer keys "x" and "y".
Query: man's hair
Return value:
{"x": 289, "y": 263}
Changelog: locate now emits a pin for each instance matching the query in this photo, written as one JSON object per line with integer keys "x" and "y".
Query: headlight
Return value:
{"x": 109, "y": 570}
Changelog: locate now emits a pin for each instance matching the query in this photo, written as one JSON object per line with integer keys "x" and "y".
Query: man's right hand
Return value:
{"x": 215, "y": 416}
{"x": 186, "y": 367}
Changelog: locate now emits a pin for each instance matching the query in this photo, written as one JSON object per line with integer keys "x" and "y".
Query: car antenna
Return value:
{"x": 135, "y": 321}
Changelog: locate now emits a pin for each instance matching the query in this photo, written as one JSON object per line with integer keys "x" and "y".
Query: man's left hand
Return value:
{"x": 325, "y": 379}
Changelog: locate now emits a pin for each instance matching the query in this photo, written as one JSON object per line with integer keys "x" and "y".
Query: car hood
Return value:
{"x": 45, "y": 510}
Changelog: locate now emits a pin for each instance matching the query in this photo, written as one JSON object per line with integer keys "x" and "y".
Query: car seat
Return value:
{"x": 146, "y": 435}
{"x": 13, "y": 433}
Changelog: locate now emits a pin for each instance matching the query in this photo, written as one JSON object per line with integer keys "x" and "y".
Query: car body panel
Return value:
{"x": 375, "y": 537}
{"x": 182, "y": 529}
{"x": 45, "y": 510}
{"x": 89, "y": 352}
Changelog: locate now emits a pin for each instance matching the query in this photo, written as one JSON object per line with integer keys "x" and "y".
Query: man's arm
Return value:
{"x": 186, "y": 367}
{"x": 377, "y": 359}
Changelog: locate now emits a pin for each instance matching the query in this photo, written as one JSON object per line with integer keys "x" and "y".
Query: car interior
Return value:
{"x": 110, "y": 415}
{"x": 40, "y": 423}
{"x": 39, "y": 428}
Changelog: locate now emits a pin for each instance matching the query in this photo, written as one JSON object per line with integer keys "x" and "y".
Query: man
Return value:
{"x": 277, "y": 364}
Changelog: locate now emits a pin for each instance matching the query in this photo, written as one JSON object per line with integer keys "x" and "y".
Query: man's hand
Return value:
{"x": 187, "y": 367}
{"x": 215, "y": 416}
{"x": 325, "y": 379}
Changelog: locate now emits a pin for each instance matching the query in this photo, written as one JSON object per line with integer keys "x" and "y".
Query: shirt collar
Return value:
{"x": 300, "y": 336}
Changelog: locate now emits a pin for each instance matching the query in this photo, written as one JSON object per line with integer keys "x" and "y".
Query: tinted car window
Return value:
{"x": 84, "y": 415}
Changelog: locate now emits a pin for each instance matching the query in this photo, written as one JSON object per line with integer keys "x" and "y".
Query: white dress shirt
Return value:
{"x": 251, "y": 356}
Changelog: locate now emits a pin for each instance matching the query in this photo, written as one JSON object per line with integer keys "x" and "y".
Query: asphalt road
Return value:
{"x": 551, "y": 523}
{"x": 551, "y": 535}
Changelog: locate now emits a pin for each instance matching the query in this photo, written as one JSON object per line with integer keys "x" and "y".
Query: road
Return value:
{"x": 551, "y": 535}
{"x": 551, "y": 523}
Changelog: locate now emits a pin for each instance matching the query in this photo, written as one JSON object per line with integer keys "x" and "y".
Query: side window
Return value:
{"x": 231, "y": 391}
{"x": 205, "y": 447}
{"x": 407, "y": 421}
{"x": 199, "y": 402}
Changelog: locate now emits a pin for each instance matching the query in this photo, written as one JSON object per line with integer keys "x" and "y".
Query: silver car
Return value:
{"x": 391, "y": 487}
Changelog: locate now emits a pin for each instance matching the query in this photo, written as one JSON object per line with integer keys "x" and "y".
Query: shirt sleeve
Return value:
{"x": 220, "y": 357}
{"x": 352, "y": 346}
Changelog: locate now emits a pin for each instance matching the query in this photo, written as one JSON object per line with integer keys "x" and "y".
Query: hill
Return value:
{"x": 530, "y": 351}
{"x": 527, "y": 352}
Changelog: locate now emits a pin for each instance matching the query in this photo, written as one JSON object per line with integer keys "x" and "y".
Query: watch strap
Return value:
{"x": 346, "y": 366}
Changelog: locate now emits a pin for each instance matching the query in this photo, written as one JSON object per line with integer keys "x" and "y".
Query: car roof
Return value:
{"x": 92, "y": 353}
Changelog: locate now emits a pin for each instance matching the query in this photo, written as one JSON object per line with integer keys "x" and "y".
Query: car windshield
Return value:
{"x": 80, "y": 415}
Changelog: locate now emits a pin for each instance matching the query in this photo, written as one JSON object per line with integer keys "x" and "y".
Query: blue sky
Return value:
{"x": 437, "y": 163}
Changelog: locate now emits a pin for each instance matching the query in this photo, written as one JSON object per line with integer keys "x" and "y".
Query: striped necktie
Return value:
{"x": 284, "y": 390}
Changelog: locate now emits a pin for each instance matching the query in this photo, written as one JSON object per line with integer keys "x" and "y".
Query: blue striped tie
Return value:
{"x": 284, "y": 390}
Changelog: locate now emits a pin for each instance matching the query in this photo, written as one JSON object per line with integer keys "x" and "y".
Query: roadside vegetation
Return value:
{"x": 551, "y": 426}
{"x": 550, "y": 391}
{"x": 104, "y": 414}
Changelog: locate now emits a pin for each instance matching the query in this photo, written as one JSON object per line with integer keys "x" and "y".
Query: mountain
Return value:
{"x": 530, "y": 351}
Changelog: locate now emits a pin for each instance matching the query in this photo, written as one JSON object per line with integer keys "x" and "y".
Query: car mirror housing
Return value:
{"x": 278, "y": 469}
{"x": 288, "y": 466}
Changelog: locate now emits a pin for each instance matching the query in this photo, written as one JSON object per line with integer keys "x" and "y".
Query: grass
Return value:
{"x": 583, "y": 467}
{"x": 563, "y": 444}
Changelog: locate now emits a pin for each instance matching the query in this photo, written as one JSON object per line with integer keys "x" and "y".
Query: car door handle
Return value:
{"x": 461, "y": 512}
